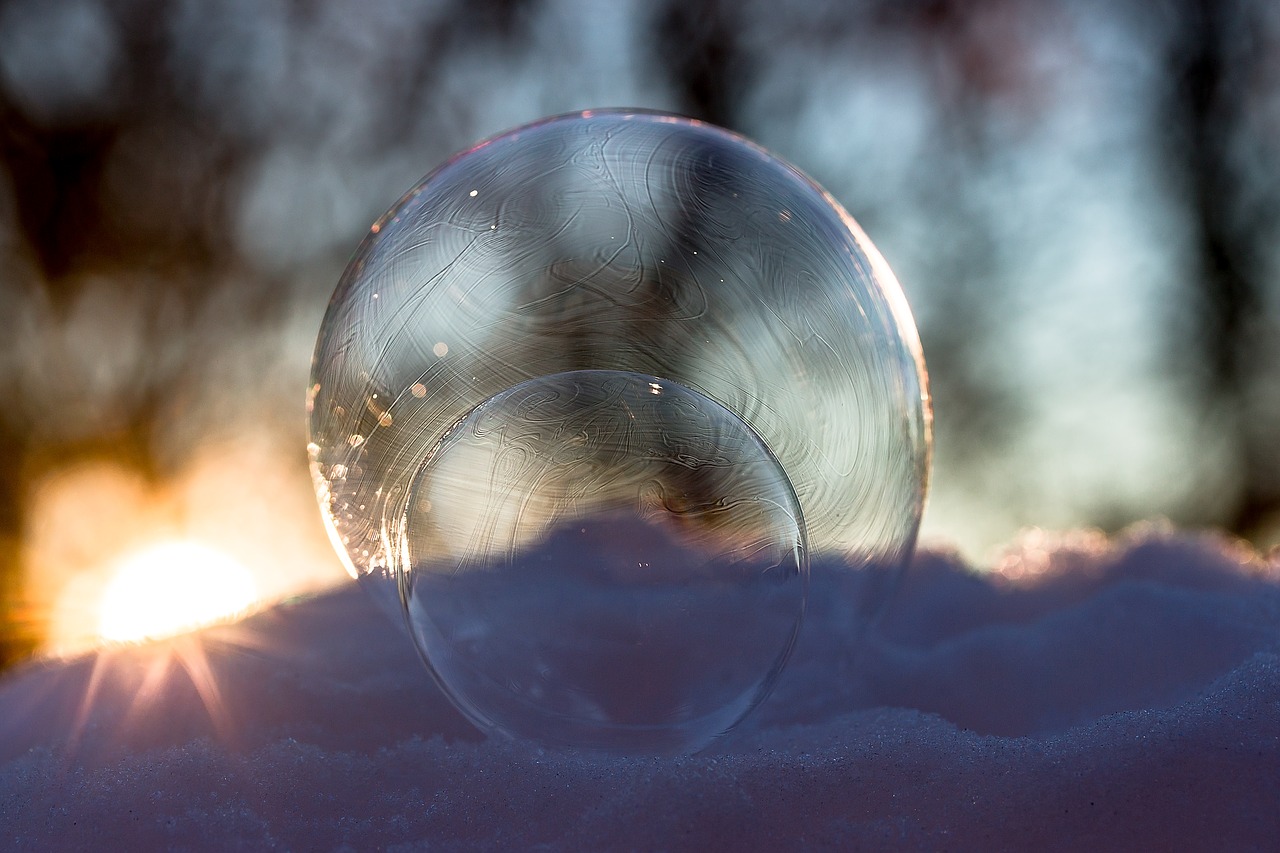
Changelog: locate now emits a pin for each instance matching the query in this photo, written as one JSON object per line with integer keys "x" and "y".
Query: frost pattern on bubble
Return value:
{"x": 604, "y": 559}
{"x": 630, "y": 242}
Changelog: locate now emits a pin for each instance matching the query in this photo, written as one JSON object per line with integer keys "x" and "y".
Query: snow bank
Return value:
{"x": 1111, "y": 696}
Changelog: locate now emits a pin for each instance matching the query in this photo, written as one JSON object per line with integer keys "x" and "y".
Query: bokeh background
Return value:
{"x": 1080, "y": 197}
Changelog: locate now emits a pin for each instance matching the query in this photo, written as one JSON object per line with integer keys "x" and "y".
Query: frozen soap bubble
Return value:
{"x": 604, "y": 559}
{"x": 645, "y": 245}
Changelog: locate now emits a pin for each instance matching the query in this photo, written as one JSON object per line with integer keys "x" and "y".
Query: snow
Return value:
{"x": 1092, "y": 695}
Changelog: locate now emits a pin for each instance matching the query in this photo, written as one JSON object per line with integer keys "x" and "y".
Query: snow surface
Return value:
{"x": 1117, "y": 696}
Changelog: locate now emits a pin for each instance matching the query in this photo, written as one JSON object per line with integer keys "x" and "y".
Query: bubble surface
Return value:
{"x": 636, "y": 243}
{"x": 604, "y": 559}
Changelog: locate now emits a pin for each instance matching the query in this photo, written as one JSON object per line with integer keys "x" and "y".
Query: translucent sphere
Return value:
{"x": 641, "y": 244}
{"x": 604, "y": 559}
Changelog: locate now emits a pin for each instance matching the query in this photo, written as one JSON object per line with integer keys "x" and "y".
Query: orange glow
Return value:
{"x": 172, "y": 588}
{"x": 88, "y": 521}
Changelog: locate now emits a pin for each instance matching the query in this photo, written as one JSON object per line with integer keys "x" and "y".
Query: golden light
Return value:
{"x": 171, "y": 588}
{"x": 87, "y": 522}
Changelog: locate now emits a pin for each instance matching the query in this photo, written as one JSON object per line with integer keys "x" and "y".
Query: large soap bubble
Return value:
{"x": 608, "y": 246}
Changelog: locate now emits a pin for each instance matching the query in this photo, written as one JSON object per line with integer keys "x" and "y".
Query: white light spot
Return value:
{"x": 172, "y": 588}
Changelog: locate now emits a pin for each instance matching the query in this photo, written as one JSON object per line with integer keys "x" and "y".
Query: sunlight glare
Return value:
{"x": 172, "y": 588}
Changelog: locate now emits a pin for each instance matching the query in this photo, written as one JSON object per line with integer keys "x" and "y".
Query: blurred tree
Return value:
{"x": 699, "y": 46}
{"x": 151, "y": 179}
{"x": 1210, "y": 58}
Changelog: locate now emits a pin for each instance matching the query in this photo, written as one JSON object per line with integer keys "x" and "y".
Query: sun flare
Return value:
{"x": 172, "y": 588}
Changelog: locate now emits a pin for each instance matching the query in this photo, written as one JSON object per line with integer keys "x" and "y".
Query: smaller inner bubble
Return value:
{"x": 605, "y": 559}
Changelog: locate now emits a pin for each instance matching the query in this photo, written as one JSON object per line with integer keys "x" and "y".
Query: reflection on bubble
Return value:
{"x": 637, "y": 243}
{"x": 604, "y": 559}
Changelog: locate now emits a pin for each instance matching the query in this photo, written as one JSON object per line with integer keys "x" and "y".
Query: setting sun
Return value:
{"x": 171, "y": 588}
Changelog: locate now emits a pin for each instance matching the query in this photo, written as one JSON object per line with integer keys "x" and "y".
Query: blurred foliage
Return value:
{"x": 1080, "y": 198}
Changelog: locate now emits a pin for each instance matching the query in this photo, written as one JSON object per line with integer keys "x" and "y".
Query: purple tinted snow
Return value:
{"x": 1124, "y": 697}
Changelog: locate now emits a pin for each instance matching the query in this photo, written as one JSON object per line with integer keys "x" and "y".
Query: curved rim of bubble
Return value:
{"x": 890, "y": 287}
{"x": 759, "y": 693}
{"x": 802, "y": 534}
